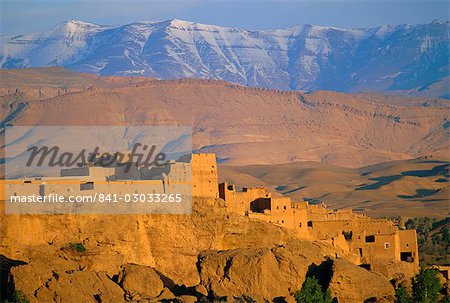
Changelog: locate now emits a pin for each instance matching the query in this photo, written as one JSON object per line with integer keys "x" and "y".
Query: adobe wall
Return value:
{"x": 75, "y": 187}
{"x": 204, "y": 175}
{"x": 408, "y": 243}
{"x": 93, "y": 172}
{"x": 239, "y": 202}
{"x": 279, "y": 211}
{"x": 329, "y": 225}
{"x": 385, "y": 246}
{"x": 371, "y": 239}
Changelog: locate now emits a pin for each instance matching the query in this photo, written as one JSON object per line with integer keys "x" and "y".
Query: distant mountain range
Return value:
{"x": 402, "y": 59}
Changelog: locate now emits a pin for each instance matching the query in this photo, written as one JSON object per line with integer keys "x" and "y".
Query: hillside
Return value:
{"x": 209, "y": 255}
{"x": 407, "y": 188}
{"x": 242, "y": 125}
{"x": 409, "y": 60}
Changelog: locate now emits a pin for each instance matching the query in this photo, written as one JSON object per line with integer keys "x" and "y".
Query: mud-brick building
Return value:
{"x": 258, "y": 203}
{"x": 370, "y": 239}
{"x": 239, "y": 202}
{"x": 279, "y": 211}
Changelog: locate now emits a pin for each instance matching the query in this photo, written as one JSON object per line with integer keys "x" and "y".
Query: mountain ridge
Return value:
{"x": 241, "y": 125}
{"x": 395, "y": 59}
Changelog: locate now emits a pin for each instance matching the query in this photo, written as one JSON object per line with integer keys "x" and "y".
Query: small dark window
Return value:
{"x": 282, "y": 221}
{"x": 230, "y": 187}
{"x": 284, "y": 207}
{"x": 27, "y": 181}
{"x": 406, "y": 257}
{"x": 42, "y": 190}
{"x": 310, "y": 223}
{"x": 370, "y": 239}
{"x": 87, "y": 186}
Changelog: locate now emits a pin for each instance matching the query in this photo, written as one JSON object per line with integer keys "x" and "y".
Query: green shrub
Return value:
{"x": 78, "y": 247}
{"x": 401, "y": 296}
{"x": 426, "y": 286}
{"x": 311, "y": 292}
{"x": 18, "y": 297}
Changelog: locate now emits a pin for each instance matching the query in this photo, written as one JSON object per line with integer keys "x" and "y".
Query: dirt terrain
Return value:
{"x": 407, "y": 188}
{"x": 243, "y": 126}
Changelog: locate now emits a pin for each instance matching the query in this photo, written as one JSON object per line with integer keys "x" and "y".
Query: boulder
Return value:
{"x": 82, "y": 287}
{"x": 40, "y": 283}
{"x": 140, "y": 282}
{"x": 259, "y": 273}
{"x": 350, "y": 283}
{"x": 187, "y": 299}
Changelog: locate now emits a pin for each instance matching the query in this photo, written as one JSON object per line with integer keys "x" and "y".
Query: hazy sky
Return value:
{"x": 19, "y": 16}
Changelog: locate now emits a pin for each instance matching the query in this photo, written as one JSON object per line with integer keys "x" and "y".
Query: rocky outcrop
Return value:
{"x": 140, "y": 282}
{"x": 350, "y": 283}
{"x": 53, "y": 279}
{"x": 251, "y": 273}
{"x": 265, "y": 275}
{"x": 170, "y": 244}
{"x": 204, "y": 256}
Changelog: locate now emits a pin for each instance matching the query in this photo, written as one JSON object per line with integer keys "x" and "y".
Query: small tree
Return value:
{"x": 327, "y": 297}
{"x": 446, "y": 299}
{"x": 18, "y": 297}
{"x": 401, "y": 296}
{"x": 426, "y": 286}
{"x": 312, "y": 292}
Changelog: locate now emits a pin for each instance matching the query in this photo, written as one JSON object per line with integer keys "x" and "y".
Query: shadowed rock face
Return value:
{"x": 253, "y": 272}
{"x": 241, "y": 125}
{"x": 350, "y": 283}
{"x": 140, "y": 282}
{"x": 209, "y": 255}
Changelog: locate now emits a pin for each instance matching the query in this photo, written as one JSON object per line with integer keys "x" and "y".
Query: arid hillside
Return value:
{"x": 407, "y": 188}
{"x": 242, "y": 125}
{"x": 208, "y": 256}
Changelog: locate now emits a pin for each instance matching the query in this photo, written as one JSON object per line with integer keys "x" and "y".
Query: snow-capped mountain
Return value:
{"x": 410, "y": 59}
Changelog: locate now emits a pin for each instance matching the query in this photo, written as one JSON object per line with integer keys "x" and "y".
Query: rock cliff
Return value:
{"x": 205, "y": 256}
